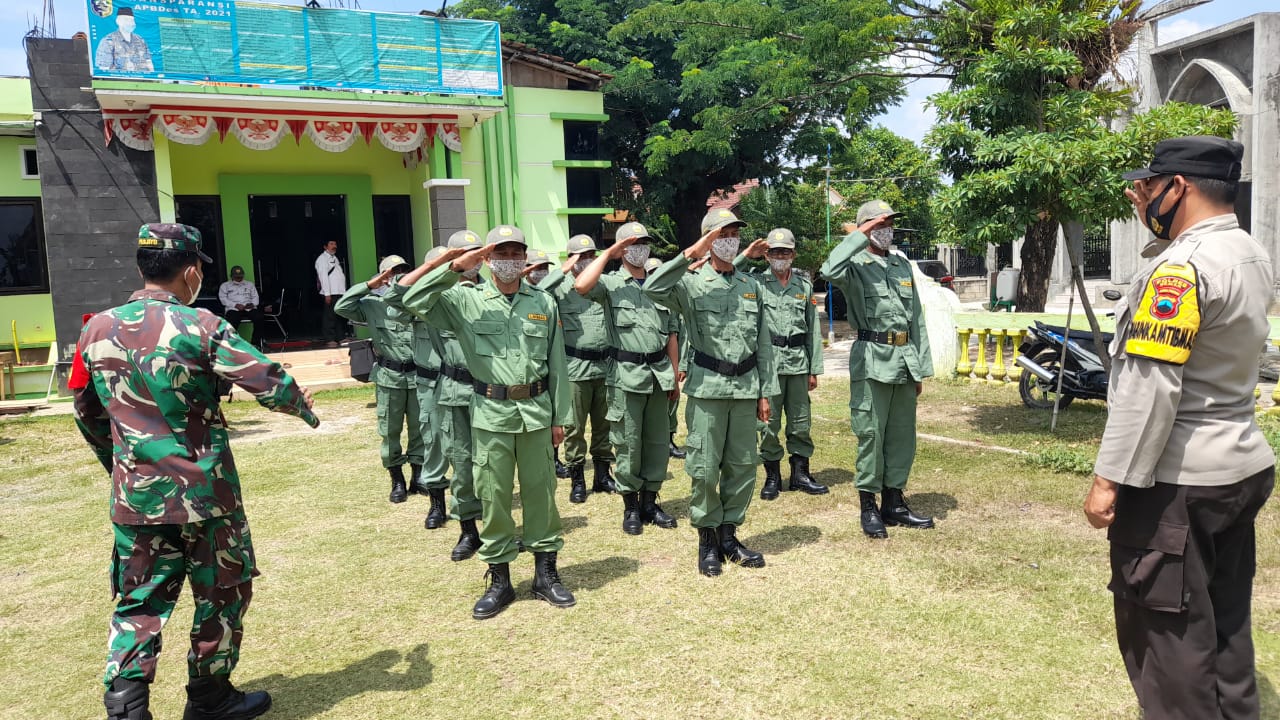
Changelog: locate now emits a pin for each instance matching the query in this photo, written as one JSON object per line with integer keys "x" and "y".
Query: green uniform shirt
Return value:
{"x": 881, "y": 296}
{"x": 505, "y": 341}
{"x": 791, "y": 311}
{"x": 635, "y": 323}
{"x": 426, "y": 339}
{"x": 583, "y": 323}
{"x": 724, "y": 317}
{"x": 390, "y": 328}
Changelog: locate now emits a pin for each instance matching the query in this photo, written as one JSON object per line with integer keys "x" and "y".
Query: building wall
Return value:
{"x": 34, "y": 313}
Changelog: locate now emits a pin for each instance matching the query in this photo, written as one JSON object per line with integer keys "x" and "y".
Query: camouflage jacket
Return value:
{"x": 151, "y": 411}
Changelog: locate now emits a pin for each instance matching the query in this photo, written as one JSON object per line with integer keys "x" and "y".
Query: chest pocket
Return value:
{"x": 747, "y": 318}
{"x": 490, "y": 340}
{"x": 905, "y": 293}
{"x": 627, "y": 313}
{"x": 876, "y": 298}
{"x": 535, "y": 339}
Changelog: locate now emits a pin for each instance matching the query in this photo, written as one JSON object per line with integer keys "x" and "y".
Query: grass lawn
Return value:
{"x": 1001, "y": 612}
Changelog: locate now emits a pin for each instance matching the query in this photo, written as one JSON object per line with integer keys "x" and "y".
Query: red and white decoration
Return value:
{"x": 133, "y": 130}
{"x": 402, "y": 136}
{"x": 259, "y": 133}
{"x": 450, "y": 136}
{"x": 332, "y": 135}
{"x": 184, "y": 128}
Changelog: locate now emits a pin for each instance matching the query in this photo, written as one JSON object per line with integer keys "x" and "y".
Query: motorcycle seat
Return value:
{"x": 1080, "y": 336}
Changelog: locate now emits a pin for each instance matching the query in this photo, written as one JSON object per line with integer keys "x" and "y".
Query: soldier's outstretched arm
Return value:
{"x": 348, "y": 306}
{"x": 586, "y": 283}
{"x": 665, "y": 288}
{"x": 235, "y": 360}
{"x": 428, "y": 298}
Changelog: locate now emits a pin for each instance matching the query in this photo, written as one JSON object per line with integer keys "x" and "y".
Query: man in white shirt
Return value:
{"x": 239, "y": 300}
{"x": 332, "y": 282}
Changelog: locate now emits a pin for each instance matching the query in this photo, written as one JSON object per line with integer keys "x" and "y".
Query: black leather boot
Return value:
{"x": 772, "y": 480}
{"x": 651, "y": 513}
{"x": 603, "y": 480}
{"x": 801, "y": 479}
{"x": 578, "y": 480}
{"x": 468, "y": 541}
{"x": 399, "y": 493}
{"x": 562, "y": 471}
{"x": 631, "y": 522}
{"x": 708, "y": 552}
{"x": 213, "y": 697}
{"x": 872, "y": 523}
{"x": 499, "y": 595}
{"x": 894, "y": 510}
{"x": 127, "y": 700}
{"x": 546, "y": 581}
{"x": 675, "y": 450}
{"x": 736, "y": 552}
{"x": 436, "y": 516}
{"x": 415, "y": 481}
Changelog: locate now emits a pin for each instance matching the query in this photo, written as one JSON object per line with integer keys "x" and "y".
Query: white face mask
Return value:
{"x": 882, "y": 238}
{"x": 780, "y": 265}
{"x": 506, "y": 271}
{"x": 635, "y": 255}
{"x": 537, "y": 276}
{"x": 126, "y": 24}
{"x": 726, "y": 248}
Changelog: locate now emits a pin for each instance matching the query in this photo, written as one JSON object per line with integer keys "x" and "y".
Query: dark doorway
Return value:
{"x": 204, "y": 213}
{"x": 289, "y": 232}
{"x": 393, "y": 226}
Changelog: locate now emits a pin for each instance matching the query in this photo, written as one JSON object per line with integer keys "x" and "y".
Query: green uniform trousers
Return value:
{"x": 497, "y": 455}
{"x": 794, "y": 402}
{"x": 394, "y": 405}
{"x": 455, "y": 426}
{"x": 883, "y": 416}
{"x": 590, "y": 402}
{"x": 147, "y": 569}
{"x": 640, "y": 438}
{"x": 673, "y": 416}
{"x": 722, "y": 459}
{"x": 434, "y": 463}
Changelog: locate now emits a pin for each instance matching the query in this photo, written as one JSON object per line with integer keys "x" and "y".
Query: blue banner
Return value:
{"x": 236, "y": 41}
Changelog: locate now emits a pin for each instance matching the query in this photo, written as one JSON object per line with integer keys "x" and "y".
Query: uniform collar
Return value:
{"x": 159, "y": 295}
{"x": 491, "y": 290}
{"x": 1217, "y": 223}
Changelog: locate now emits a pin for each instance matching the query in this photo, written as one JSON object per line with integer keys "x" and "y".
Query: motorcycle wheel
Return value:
{"x": 1036, "y": 393}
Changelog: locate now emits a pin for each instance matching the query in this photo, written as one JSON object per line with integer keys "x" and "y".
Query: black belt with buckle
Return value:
{"x": 640, "y": 358}
{"x": 591, "y": 355}
{"x": 427, "y": 373}
{"x": 456, "y": 373}
{"x": 396, "y": 365}
{"x": 797, "y": 340}
{"x": 724, "y": 367}
{"x": 511, "y": 392}
{"x": 884, "y": 338}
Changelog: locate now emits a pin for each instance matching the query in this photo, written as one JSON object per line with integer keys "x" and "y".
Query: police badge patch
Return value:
{"x": 1167, "y": 320}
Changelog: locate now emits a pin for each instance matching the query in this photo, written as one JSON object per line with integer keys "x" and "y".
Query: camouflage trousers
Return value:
{"x": 147, "y": 569}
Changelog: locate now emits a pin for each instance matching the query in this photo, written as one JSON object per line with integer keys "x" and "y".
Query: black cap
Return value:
{"x": 125, "y": 12}
{"x": 1199, "y": 156}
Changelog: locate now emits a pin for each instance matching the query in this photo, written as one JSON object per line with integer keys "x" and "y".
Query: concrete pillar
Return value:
{"x": 1265, "y": 152}
{"x": 448, "y": 207}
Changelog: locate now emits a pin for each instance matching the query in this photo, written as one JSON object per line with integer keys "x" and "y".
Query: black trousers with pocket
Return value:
{"x": 1182, "y": 566}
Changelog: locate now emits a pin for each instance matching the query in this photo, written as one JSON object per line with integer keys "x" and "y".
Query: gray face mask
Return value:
{"x": 882, "y": 238}
{"x": 506, "y": 271}
{"x": 726, "y": 248}
{"x": 537, "y": 276}
{"x": 780, "y": 265}
{"x": 581, "y": 266}
{"x": 635, "y": 255}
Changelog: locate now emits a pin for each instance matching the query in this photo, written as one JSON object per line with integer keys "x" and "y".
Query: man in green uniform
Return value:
{"x": 394, "y": 378}
{"x": 150, "y": 413}
{"x": 641, "y": 376}
{"x": 587, "y": 346}
{"x": 673, "y": 410}
{"x": 731, "y": 378}
{"x": 511, "y": 337}
{"x": 887, "y": 363}
{"x": 427, "y": 348}
{"x": 453, "y": 397}
{"x": 797, "y": 351}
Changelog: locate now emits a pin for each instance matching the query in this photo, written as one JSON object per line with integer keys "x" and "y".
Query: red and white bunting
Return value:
{"x": 185, "y": 128}
{"x": 401, "y": 136}
{"x": 259, "y": 133}
{"x": 412, "y": 159}
{"x": 133, "y": 131}
{"x": 450, "y": 136}
{"x": 332, "y": 135}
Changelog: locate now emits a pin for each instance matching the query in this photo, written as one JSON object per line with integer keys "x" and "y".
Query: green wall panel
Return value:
{"x": 196, "y": 167}
{"x": 34, "y": 314}
{"x": 11, "y": 182}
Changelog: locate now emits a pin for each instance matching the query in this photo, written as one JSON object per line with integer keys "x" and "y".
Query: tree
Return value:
{"x": 1027, "y": 127}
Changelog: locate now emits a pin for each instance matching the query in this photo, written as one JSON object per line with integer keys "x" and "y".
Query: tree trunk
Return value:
{"x": 1037, "y": 262}
{"x": 689, "y": 208}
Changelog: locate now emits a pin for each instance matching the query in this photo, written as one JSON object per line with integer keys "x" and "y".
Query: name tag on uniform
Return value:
{"x": 538, "y": 317}
{"x": 749, "y": 296}
{"x": 800, "y": 296}
{"x": 905, "y": 283}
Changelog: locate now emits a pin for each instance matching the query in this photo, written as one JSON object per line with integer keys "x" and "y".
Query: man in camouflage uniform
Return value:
{"x": 394, "y": 377}
{"x": 731, "y": 378}
{"x": 150, "y": 413}
{"x": 797, "y": 350}
{"x": 587, "y": 346}
{"x": 642, "y": 375}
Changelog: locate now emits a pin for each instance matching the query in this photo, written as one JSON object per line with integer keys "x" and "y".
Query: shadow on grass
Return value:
{"x": 1267, "y": 694}
{"x": 933, "y": 504}
{"x": 591, "y": 575}
{"x": 313, "y": 694}
{"x": 833, "y": 476}
{"x": 783, "y": 539}
{"x": 677, "y": 508}
{"x": 571, "y": 523}
{"x": 6, "y": 441}
{"x": 1081, "y": 421}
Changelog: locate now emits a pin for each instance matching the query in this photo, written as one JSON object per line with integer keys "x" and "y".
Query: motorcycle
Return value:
{"x": 1041, "y": 359}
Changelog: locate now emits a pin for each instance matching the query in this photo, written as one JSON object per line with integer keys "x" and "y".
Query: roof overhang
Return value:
{"x": 17, "y": 128}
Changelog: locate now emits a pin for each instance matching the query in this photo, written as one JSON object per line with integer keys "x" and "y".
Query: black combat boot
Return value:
{"x": 562, "y": 471}
{"x": 651, "y": 513}
{"x": 499, "y": 595}
{"x": 631, "y": 522}
{"x": 127, "y": 700}
{"x": 708, "y": 552}
{"x": 436, "y": 516}
{"x": 895, "y": 511}
{"x": 736, "y": 552}
{"x": 603, "y": 480}
{"x": 399, "y": 493}
{"x": 675, "y": 450}
{"x": 578, "y": 483}
{"x": 872, "y": 523}
{"x": 772, "y": 480}
{"x": 213, "y": 697}
{"x": 801, "y": 479}
{"x": 415, "y": 481}
{"x": 468, "y": 541}
{"x": 546, "y": 581}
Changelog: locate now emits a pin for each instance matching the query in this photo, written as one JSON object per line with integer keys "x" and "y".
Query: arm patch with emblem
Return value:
{"x": 1167, "y": 320}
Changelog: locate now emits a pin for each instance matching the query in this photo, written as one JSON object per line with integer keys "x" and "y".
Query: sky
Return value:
{"x": 912, "y": 118}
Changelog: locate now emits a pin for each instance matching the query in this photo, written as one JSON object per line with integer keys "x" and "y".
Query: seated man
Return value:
{"x": 239, "y": 300}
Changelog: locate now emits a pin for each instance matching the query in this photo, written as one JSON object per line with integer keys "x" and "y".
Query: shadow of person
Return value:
{"x": 591, "y": 575}
{"x": 834, "y": 476}
{"x": 309, "y": 695}
{"x": 571, "y": 523}
{"x": 5, "y": 440}
{"x": 677, "y": 508}
{"x": 933, "y": 504}
{"x": 783, "y": 539}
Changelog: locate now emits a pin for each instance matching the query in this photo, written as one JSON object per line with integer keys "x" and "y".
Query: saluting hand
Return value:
{"x": 381, "y": 279}
{"x": 703, "y": 246}
{"x": 1100, "y": 503}
{"x": 619, "y": 247}
{"x": 872, "y": 224}
{"x": 1140, "y": 196}
{"x": 757, "y": 249}
{"x": 471, "y": 259}
{"x": 572, "y": 260}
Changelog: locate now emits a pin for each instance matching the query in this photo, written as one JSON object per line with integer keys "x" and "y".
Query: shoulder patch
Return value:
{"x": 538, "y": 316}
{"x": 1167, "y": 319}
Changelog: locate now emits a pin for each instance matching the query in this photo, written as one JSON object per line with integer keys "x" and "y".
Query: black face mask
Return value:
{"x": 1160, "y": 222}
